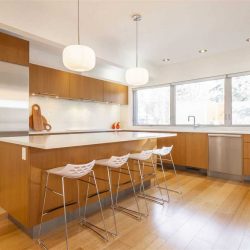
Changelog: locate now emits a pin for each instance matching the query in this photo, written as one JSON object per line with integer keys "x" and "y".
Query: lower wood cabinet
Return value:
{"x": 246, "y": 155}
{"x": 190, "y": 149}
{"x": 52, "y": 82}
{"x": 197, "y": 150}
{"x": 179, "y": 149}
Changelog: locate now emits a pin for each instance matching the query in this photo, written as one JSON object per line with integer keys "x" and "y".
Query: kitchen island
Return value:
{"x": 23, "y": 161}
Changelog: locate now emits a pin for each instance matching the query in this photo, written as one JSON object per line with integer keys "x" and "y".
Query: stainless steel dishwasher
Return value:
{"x": 225, "y": 156}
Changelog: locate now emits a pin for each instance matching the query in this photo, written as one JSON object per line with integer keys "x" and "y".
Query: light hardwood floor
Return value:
{"x": 211, "y": 214}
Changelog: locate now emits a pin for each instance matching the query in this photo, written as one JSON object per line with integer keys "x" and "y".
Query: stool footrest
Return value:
{"x": 95, "y": 228}
{"x": 42, "y": 244}
{"x": 152, "y": 198}
{"x": 132, "y": 213}
{"x": 61, "y": 206}
{"x": 171, "y": 190}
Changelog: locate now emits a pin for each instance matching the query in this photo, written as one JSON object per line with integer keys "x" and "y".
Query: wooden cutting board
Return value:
{"x": 37, "y": 118}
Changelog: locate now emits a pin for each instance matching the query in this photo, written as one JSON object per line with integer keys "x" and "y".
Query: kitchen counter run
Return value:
{"x": 83, "y": 139}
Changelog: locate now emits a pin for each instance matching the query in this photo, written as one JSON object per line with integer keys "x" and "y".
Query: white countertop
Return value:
{"x": 84, "y": 139}
{"x": 191, "y": 129}
{"x": 72, "y": 131}
{"x": 174, "y": 129}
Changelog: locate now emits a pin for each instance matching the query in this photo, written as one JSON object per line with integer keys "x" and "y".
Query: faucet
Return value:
{"x": 193, "y": 116}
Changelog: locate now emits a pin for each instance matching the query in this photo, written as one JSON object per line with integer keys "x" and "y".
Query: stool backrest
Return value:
{"x": 166, "y": 150}
{"x": 77, "y": 170}
{"x": 118, "y": 161}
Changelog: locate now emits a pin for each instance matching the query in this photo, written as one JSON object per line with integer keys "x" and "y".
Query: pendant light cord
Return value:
{"x": 78, "y": 25}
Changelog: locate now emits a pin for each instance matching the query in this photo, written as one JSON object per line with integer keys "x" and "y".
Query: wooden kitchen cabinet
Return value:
{"x": 197, "y": 150}
{"x": 14, "y": 50}
{"x": 52, "y": 82}
{"x": 115, "y": 93}
{"x": 86, "y": 88}
{"x": 48, "y": 81}
{"x": 190, "y": 149}
{"x": 95, "y": 89}
{"x": 179, "y": 147}
{"x": 246, "y": 155}
{"x": 58, "y": 83}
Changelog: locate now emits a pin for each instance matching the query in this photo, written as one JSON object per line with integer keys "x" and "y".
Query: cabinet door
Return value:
{"x": 38, "y": 77}
{"x": 115, "y": 93}
{"x": 95, "y": 89}
{"x": 77, "y": 89}
{"x": 197, "y": 150}
{"x": 179, "y": 147}
{"x": 14, "y": 50}
{"x": 58, "y": 83}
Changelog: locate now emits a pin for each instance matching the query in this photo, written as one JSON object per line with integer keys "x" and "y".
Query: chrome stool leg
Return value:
{"x": 134, "y": 214}
{"x": 164, "y": 176}
{"x": 65, "y": 214}
{"x": 84, "y": 221}
{"x": 40, "y": 242}
{"x": 111, "y": 199}
{"x": 142, "y": 186}
{"x": 157, "y": 200}
{"x": 158, "y": 183}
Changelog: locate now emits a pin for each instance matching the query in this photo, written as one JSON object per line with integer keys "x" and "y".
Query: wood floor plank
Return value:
{"x": 210, "y": 214}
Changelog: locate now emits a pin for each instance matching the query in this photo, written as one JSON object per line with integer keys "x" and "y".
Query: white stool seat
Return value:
{"x": 73, "y": 170}
{"x": 114, "y": 161}
{"x": 163, "y": 151}
{"x": 142, "y": 156}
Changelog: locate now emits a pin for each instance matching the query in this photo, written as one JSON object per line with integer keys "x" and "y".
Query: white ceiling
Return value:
{"x": 169, "y": 29}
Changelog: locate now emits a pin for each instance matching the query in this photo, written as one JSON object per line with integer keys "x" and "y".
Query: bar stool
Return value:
{"x": 115, "y": 164}
{"x": 165, "y": 152}
{"x": 70, "y": 171}
{"x": 141, "y": 159}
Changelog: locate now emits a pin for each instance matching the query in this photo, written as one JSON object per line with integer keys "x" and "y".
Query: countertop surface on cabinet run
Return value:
{"x": 191, "y": 129}
{"x": 83, "y": 139}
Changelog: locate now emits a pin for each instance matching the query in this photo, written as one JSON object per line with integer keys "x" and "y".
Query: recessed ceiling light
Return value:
{"x": 166, "y": 60}
{"x": 202, "y": 50}
{"x": 248, "y": 39}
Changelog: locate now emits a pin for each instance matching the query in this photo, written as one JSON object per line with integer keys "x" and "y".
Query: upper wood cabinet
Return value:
{"x": 86, "y": 88}
{"x": 52, "y": 82}
{"x": 197, "y": 150}
{"x": 14, "y": 50}
{"x": 179, "y": 147}
{"x": 47, "y": 81}
{"x": 115, "y": 93}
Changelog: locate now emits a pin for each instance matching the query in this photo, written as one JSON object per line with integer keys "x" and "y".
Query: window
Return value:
{"x": 241, "y": 100}
{"x": 204, "y": 100}
{"x": 152, "y": 106}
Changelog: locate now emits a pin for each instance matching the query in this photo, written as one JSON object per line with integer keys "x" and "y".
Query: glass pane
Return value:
{"x": 153, "y": 106}
{"x": 241, "y": 100}
{"x": 204, "y": 100}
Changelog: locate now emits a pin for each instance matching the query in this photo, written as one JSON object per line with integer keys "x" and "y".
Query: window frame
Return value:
{"x": 230, "y": 76}
{"x": 227, "y": 101}
{"x": 135, "y": 107}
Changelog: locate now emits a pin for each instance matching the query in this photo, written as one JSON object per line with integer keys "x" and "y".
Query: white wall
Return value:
{"x": 220, "y": 64}
{"x": 67, "y": 114}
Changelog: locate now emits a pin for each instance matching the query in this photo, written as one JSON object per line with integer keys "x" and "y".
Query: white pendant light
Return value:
{"x": 78, "y": 57}
{"x": 137, "y": 76}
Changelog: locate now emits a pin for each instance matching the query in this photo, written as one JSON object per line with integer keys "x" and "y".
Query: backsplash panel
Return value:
{"x": 76, "y": 115}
